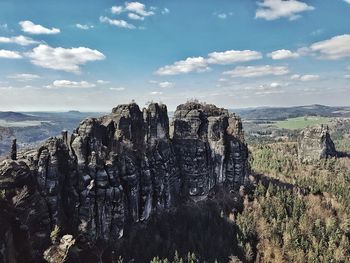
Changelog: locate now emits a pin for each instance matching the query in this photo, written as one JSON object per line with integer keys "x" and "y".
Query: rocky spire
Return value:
{"x": 64, "y": 134}
{"x": 123, "y": 167}
{"x": 14, "y": 150}
{"x": 315, "y": 143}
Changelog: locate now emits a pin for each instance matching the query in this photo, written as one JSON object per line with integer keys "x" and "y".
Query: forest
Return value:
{"x": 290, "y": 212}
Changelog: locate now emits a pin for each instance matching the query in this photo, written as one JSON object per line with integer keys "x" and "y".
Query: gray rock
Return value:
{"x": 315, "y": 143}
{"x": 120, "y": 168}
{"x": 14, "y": 150}
{"x": 210, "y": 148}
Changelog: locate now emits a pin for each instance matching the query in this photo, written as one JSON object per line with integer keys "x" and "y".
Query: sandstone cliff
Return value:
{"x": 117, "y": 170}
{"x": 315, "y": 143}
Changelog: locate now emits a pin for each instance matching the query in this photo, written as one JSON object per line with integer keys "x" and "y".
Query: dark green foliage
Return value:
{"x": 280, "y": 161}
{"x": 303, "y": 215}
{"x": 199, "y": 228}
{"x": 284, "y": 226}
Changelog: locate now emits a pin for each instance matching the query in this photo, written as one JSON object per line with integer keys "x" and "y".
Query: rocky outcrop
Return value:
{"x": 208, "y": 143}
{"x": 58, "y": 253}
{"x": 315, "y": 143}
{"x": 25, "y": 217}
{"x": 14, "y": 150}
{"x": 121, "y": 168}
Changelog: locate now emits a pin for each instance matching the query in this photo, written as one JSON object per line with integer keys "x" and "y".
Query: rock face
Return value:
{"x": 117, "y": 170}
{"x": 58, "y": 253}
{"x": 315, "y": 143}
{"x": 14, "y": 150}
{"x": 208, "y": 146}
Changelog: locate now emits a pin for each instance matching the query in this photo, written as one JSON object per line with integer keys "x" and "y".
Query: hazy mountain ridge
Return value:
{"x": 282, "y": 113}
{"x": 30, "y": 128}
{"x": 16, "y": 116}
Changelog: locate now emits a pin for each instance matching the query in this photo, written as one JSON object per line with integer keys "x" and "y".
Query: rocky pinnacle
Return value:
{"x": 123, "y": 167}
{"x": 315, "y": 143}
{"x": 14, "y": 150}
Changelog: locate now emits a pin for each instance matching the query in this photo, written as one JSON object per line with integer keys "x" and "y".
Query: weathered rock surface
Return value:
{"x": 208, "y": 146}
{"x": 117, "y": 170}
{"x": 58, "y": 253}
{"x": 315, "y": 143}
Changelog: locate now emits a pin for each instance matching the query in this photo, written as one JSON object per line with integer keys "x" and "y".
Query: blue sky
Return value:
{"x": 92, "y": 55}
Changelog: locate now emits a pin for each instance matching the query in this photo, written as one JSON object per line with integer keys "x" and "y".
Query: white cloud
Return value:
{"x": 156, "y": 93}
{"x": 232, "y": 56}
{"x": 266, "y": 89}
{"x": 100, "y": 81}
{"x": 347, "y": 1}
{"x": 295, "y": 76}
{"x": 24, "y": 77}
{"x": 71, "y": 84}
{"x": 304, "y": 51}
{"x": 31, "y": 28}
{"x": 222, "y": 16}
{"x": 166, "y": 84}
{"x": 135, "y": 16}
{"x": 117, "y": 9}
{"x": 309, "y": 77}
{"x": 117, "y": 89}
{"x": 116, "y": 22}
{"x": 84, "y": 27}
{"x": 275, "y": 85}
{"x": 275, "y": 9}
{"x": 257, "y": 71}
{"x": 9, "y": 54}
{"x": 165, "y": 11}
{"x": 138, "y": 8}
{"x": 20, "y": 40}
{"x": 66, "y": 59}
{"x": 200, "y": 64}
{"x": 197, "y": 64}
{"x": 337, "y": 47}
{"x": 282, "y": 54}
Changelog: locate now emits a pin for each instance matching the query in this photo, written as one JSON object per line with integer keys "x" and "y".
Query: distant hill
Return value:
{"x": 31, "y": 128}
{"x": 15, "y": 116}
{"x": 282, "y": 113}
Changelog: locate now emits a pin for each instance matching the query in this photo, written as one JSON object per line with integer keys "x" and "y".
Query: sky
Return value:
{"x": 92, "y": 55}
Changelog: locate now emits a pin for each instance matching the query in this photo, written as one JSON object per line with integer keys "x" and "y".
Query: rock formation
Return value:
{"x": 208, "y": 146}
{"x": 117, "y": 170}
{"x": 58, "y": 253}
{"x": 14, "y": 150}
{"x": 315, "y": 143}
